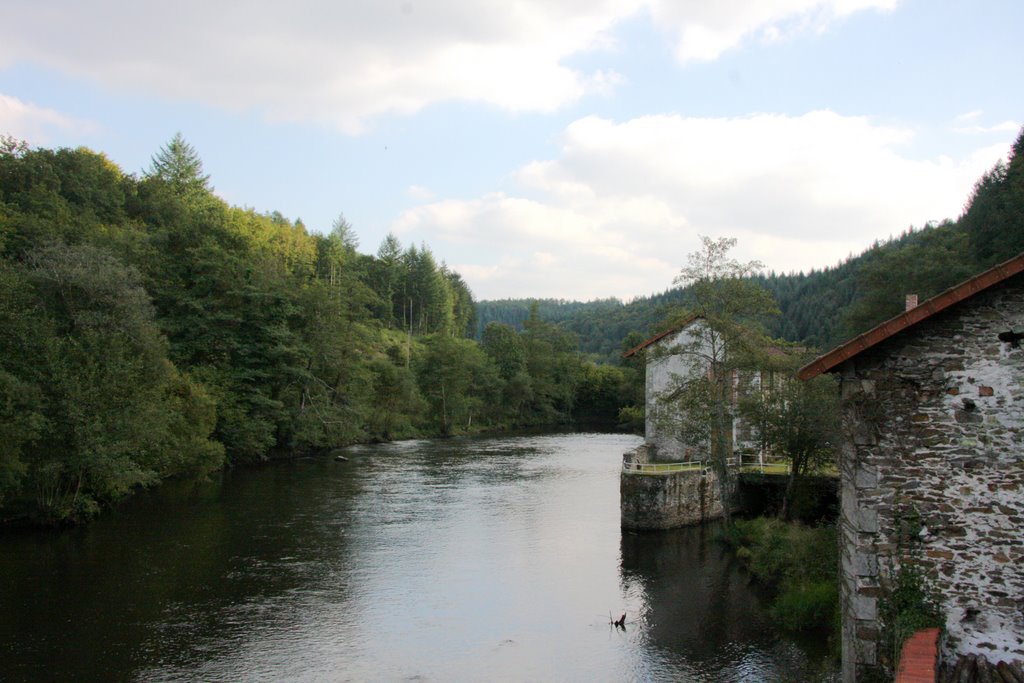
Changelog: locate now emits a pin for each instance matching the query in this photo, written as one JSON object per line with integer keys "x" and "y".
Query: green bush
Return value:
{"x": 806, "y": 605}
{"x": 799, "y": 563}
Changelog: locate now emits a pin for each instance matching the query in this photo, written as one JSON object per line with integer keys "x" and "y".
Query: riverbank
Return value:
{"x": 798, "y": 567}
{"x": 25, "y": 515}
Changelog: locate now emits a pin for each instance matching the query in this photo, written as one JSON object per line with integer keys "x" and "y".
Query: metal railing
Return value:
{"x": 745, "y": 464}
{"x": 662, "y": 467}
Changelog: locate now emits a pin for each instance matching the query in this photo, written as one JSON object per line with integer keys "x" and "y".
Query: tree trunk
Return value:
{"x": 787, "y": 497}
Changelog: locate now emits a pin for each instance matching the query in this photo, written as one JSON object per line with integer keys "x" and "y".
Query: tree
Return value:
{"x": 385, "y": 279}
{"x": 601, "y": 394}
{"x": 394, "y": 400}
{"x": 994, "y": 217}
{"x": 798, "y": 421}
{"x": 726, "y": 307}
{"x": 552, "y": 361}
{"x": 922, "y": 262}
{"x": 507, "y": 353}
{"x": 24, "y": 335}
{"x": 457, "y": 382}
{"x": 12, "y": 146}
{"x": 178, "y": 164}
{"x": 504, "y": 347}
{"x": 463, "y": 306}
{"x": 95, "y": 373}
{"x": 345, "y": 234}
{"x": 428, "y": 294}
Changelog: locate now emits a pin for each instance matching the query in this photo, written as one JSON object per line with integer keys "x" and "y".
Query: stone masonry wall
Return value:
{"x": 667, "y": 500}
{"x": 933, "y": 473}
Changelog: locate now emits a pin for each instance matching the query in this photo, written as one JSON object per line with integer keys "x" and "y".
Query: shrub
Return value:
{"x": 905, "y": 608}
{"x": 806, "y": 605}
{"x": 799, "y": 562}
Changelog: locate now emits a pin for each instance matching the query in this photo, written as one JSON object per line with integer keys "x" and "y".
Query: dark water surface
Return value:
{"x": 463, "y": 560}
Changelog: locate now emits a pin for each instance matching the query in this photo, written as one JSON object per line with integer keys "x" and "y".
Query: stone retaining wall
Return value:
{"x": 667, "y": 500}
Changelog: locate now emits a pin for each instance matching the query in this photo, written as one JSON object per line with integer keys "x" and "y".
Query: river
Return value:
{"x": 484, "y": 559}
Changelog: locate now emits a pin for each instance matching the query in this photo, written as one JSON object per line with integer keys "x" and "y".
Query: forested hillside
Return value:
{"x": 148, "y": 329}
{"x": 824, "y": 307}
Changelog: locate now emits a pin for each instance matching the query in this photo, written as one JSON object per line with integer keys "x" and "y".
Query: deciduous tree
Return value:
{"x": 723, "y": 340}
{"x": 798, "y": 421}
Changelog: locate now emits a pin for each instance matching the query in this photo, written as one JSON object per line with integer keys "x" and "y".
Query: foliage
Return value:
{"x": 806, "y": 605}
{"x": 797, "y": 421}
{"x": 178, "y": 165}
{"x": 725, "y": 308}
{"x": 601, "y": 393}
{"x": 905, "y": 607}
{"x": 147, "y": 330}
{"x": 994, "y": 216}
{"x": 553, "y": 367}
{"x": 799, "y": 564}
{"x": 458, "y": 384}
{"x": 923, "y": 263}
{"x": 395, "y": 402}
{"x": 632, "y": 418}
{"x": 906, "y": 603}
{"x": 89, "y": 364}
{"x": 823, "y": 307}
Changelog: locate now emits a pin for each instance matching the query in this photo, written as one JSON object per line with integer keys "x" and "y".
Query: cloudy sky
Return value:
{"x": 557, "y": 148}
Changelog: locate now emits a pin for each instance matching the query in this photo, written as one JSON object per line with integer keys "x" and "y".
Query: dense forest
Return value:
{"x": 149, "y": 330}
{"x": 823, "y": 308}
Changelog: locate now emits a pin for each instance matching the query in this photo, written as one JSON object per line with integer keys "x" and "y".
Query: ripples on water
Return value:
{"x": 459, "y": 560}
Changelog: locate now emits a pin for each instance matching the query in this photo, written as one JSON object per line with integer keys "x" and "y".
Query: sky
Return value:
{"x": 573, "y": 149}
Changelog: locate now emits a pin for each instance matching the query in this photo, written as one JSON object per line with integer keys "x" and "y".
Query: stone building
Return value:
{"x": 932, "y": 468}
{"x": 672, "y": 356}
{"x": 654, "y": 494}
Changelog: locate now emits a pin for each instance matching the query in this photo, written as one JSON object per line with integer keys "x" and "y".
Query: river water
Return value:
{"x": 496, "y": 559}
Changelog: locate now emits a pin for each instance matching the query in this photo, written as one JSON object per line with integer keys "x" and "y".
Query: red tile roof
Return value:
{"x": 907, "y": 319}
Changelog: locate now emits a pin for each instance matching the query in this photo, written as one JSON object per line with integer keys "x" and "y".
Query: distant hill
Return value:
{"x": 823, "y": 307}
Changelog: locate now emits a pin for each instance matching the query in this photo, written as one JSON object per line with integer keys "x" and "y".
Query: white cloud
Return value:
{"x": 316, "y": 60}
{"x": 620, "y": 208}
{"x": 969, "y": 123}
{"x": 969, "y": 116}
{"x": 344, "y": 63}
{"x": 1004, "y": 127}
{"x": 705, "y": 30}
{"x": 34, "y": 124}
{"x": 419, "y": 193}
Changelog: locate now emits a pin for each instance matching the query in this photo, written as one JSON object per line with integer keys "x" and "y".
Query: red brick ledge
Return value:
{"x": 919, "y": 658}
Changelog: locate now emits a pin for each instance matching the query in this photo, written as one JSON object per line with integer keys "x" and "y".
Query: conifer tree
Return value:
{"x": 178, "y": 164}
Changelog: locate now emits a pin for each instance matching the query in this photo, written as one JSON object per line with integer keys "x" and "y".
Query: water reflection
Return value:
{"x": 467, "y": 559}
{"x": 702, "y": 621}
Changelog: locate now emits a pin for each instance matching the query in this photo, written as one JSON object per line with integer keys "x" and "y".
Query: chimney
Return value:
{"x": 911, "y": 301}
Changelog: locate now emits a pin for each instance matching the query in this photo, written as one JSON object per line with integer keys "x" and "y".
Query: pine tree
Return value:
{"x": 178, "y": 164}
{"x": 994, "y": 217}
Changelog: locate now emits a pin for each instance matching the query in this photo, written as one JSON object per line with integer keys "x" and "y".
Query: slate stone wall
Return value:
{"x": 933, "y": 474}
